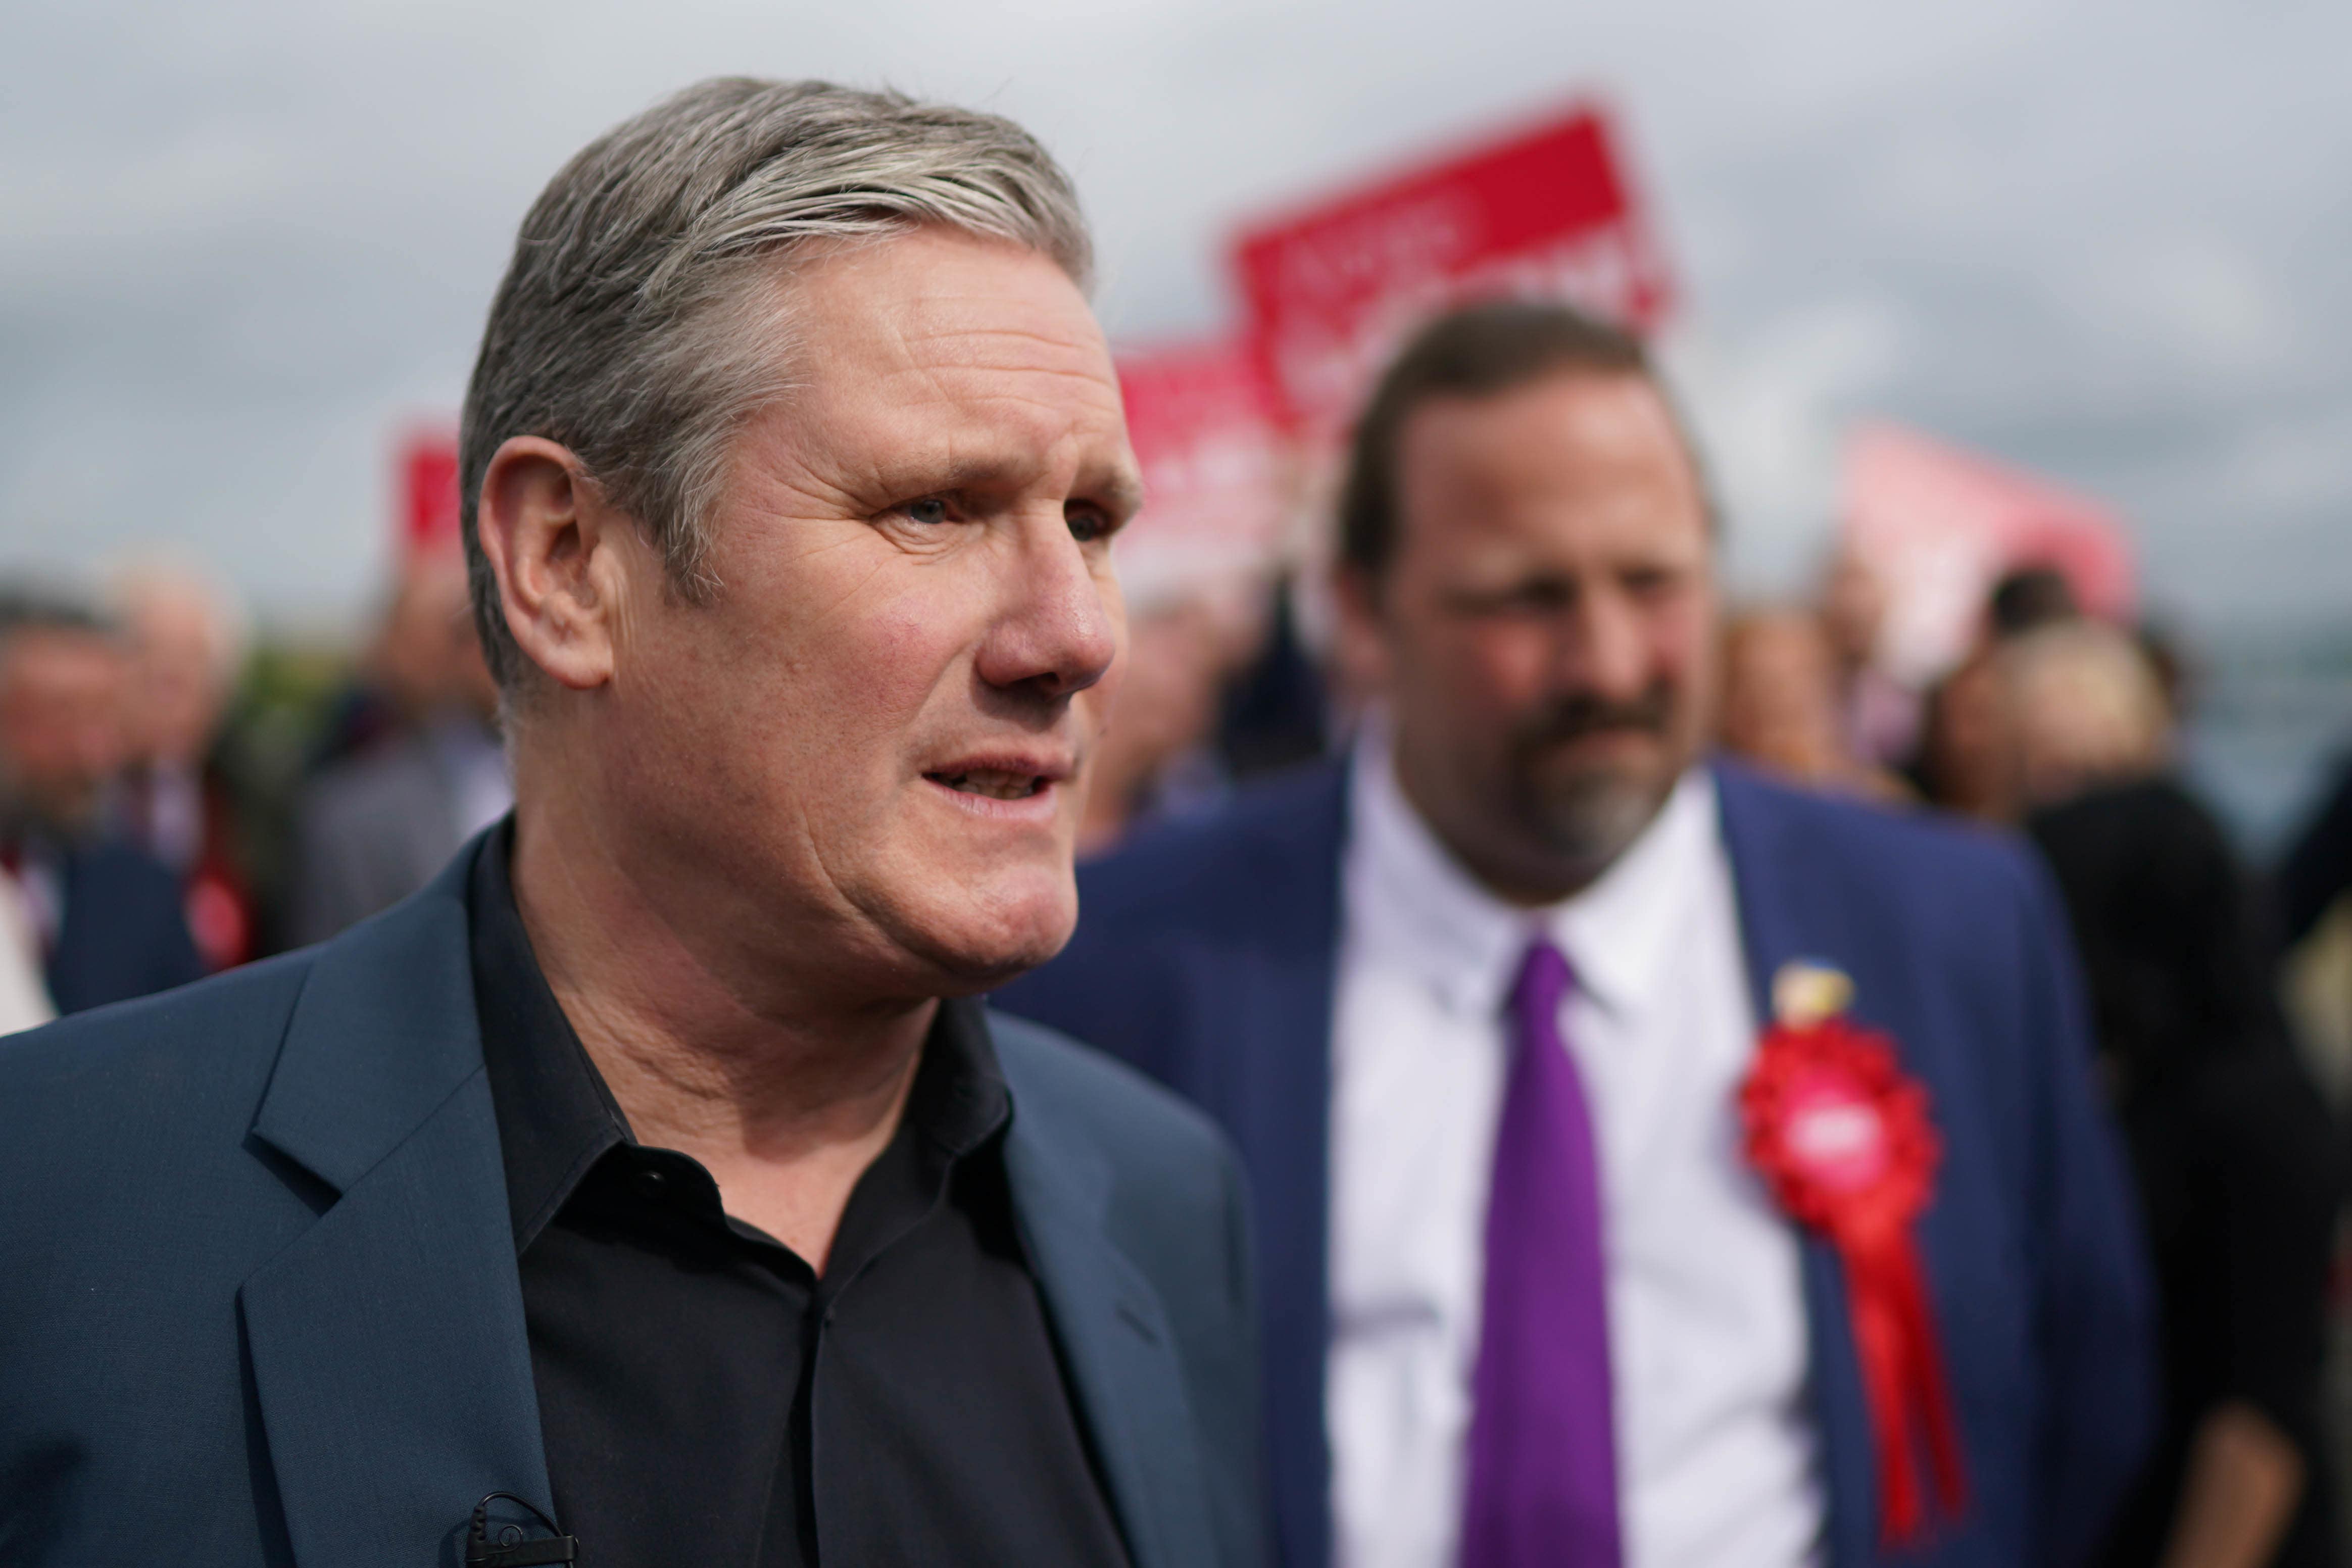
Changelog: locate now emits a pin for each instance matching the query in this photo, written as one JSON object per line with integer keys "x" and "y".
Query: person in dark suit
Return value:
{"x": 2316, "y": 871}
{"x": 1485, "y": 1007}
{"x": 652, "y": 1188}
{"x": 178, "y": 799}
{"x": 375, "y": 828}
{"x": 105, "y": 915}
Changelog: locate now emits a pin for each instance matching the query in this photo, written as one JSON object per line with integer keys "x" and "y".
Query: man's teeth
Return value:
{"x": 993, "y": 783}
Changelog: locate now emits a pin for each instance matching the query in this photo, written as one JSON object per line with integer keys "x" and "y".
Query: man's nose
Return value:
{"x": 1057, "y": 632}
{"x": 95, "y": 745}
{"x": 1604, "y": 649}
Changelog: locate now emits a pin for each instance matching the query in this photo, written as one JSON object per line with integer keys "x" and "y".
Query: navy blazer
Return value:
{"x": 261, "y": 1303}
{"x": 124, "y": 931}
{"x": 1206, "y": 954}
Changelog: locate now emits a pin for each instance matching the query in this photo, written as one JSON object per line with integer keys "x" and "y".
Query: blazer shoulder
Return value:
{"x": 1269, "y": 834}
{"x": 1138, "y": 1127}
{"x": 242, "y": 1010}
{"x": 182, "y": 1068}
{"x": 1907, "y": 850}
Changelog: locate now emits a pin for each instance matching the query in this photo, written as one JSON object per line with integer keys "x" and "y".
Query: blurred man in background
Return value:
{"x": 1964, "y": 763}
{"x": 185, "y": 646}
{"x": 1878, "y": 715}
{"x": 2083, "y": 707}
{"x": 1968, "y": 761}
{"x": 106, "y": 915}
{"x": 375, "y": 827}
{"x": 1780, "y": 703}
{"x": 1482, "y": 1006}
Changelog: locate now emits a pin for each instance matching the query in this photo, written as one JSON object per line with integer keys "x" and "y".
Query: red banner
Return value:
{"x": 1331, "y": 290}
{"x": 428, "y": 471}
{"x": 1213, "y": 465}
{"x": 1941, "y": 525}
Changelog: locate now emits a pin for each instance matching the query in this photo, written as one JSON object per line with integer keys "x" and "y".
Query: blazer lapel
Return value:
{"x": 1264, "y": 995}
{"x": 1785, "y": 915}
{"x": 1118, "y": 1348}
{"x": 389, "y": 1356}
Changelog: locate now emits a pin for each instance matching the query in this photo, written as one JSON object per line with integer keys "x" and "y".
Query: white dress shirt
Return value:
{"x": 23, "y": 994}
{"x": 1716, "y": 1450}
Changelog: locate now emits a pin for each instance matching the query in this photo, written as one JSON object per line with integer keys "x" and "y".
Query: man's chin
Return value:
{"x": 1626, "y": 753}
{"x": 985, "y": 943}
{"x": 1590, "y": 816}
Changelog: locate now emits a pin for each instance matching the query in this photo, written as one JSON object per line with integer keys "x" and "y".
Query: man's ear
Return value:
{"x": 557, "y": 551}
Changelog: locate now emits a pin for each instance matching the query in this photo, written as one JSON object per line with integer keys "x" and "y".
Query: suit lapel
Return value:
{"x": 1265, "y": 993}
{"x": 1787, "y": 914}
{"x": 387, "y": 1345}
{"x": 1118, "y": 1348}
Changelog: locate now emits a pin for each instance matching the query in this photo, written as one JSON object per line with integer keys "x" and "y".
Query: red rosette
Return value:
{"x": 1843, "y": 1140}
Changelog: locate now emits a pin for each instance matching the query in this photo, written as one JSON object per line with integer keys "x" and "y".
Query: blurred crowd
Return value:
{"x": 174, "y": 802}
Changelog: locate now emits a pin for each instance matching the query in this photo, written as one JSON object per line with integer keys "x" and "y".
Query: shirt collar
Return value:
{"x": 555, "y": 1116}
{"x": 1622, "y": 934}
{"x": 1412, "y": 906}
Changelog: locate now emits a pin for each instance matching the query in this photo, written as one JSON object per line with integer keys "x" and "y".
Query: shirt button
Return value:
{"x": 653, "y": 1181}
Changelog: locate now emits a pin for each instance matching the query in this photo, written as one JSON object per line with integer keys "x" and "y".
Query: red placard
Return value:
{"x": 427, "y": 480}
{"x": 1550, "y": 209}
{"x": 1213, "y": 464}
{"x": 1940, "y": 526}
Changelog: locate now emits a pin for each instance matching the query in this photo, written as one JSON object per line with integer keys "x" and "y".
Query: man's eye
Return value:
{"x": 1529, "y": 599}
{"x": 930, "y": 510}
{"x": 1086, "y": 525}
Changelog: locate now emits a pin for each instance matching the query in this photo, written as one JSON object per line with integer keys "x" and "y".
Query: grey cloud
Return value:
{"x": 240, "y": 245}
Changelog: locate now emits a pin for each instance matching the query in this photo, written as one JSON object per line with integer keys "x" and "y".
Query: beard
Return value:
{"x": 1586, "y": 814}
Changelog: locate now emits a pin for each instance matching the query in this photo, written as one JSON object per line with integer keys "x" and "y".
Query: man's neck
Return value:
{"x": 786, "y": 1103}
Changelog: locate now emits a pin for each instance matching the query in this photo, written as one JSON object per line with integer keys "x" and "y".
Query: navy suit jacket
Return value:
{"x": 1206, "y": 954}
{"x": 261, "y": 1303}
{"x": 125, "y": 930}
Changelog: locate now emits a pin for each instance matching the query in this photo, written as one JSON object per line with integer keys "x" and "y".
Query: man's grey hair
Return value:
{"x": 638, "y": 324}
{"x": 34, "y": 606}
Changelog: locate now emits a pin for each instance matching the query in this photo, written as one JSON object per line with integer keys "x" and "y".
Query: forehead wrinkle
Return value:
{"x": 1043, "y": 386}
{"x": 936, "y": 318}
{"x": 1014, "y": 437}
{"x": 1007, "y": 390}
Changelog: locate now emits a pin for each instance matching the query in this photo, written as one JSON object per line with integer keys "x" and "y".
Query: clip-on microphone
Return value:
{"x": 510, "y": 1550}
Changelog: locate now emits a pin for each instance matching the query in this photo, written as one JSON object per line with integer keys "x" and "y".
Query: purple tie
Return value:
{"x": 1542, "y": 1489}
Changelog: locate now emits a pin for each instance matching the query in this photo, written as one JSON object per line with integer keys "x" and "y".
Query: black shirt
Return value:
{"x": 705, "y": 1396}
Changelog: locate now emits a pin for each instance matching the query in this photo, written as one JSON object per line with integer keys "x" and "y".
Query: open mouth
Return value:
{"x": 992, "y": 782}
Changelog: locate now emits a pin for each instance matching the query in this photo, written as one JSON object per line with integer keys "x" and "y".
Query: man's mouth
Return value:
{"x": 993, "y": 783}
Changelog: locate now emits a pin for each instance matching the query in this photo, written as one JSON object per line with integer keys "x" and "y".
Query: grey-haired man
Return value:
{"x": 649, "y": 1188}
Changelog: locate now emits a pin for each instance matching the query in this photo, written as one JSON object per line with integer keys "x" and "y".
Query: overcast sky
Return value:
{"x": 241, "y": 244}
